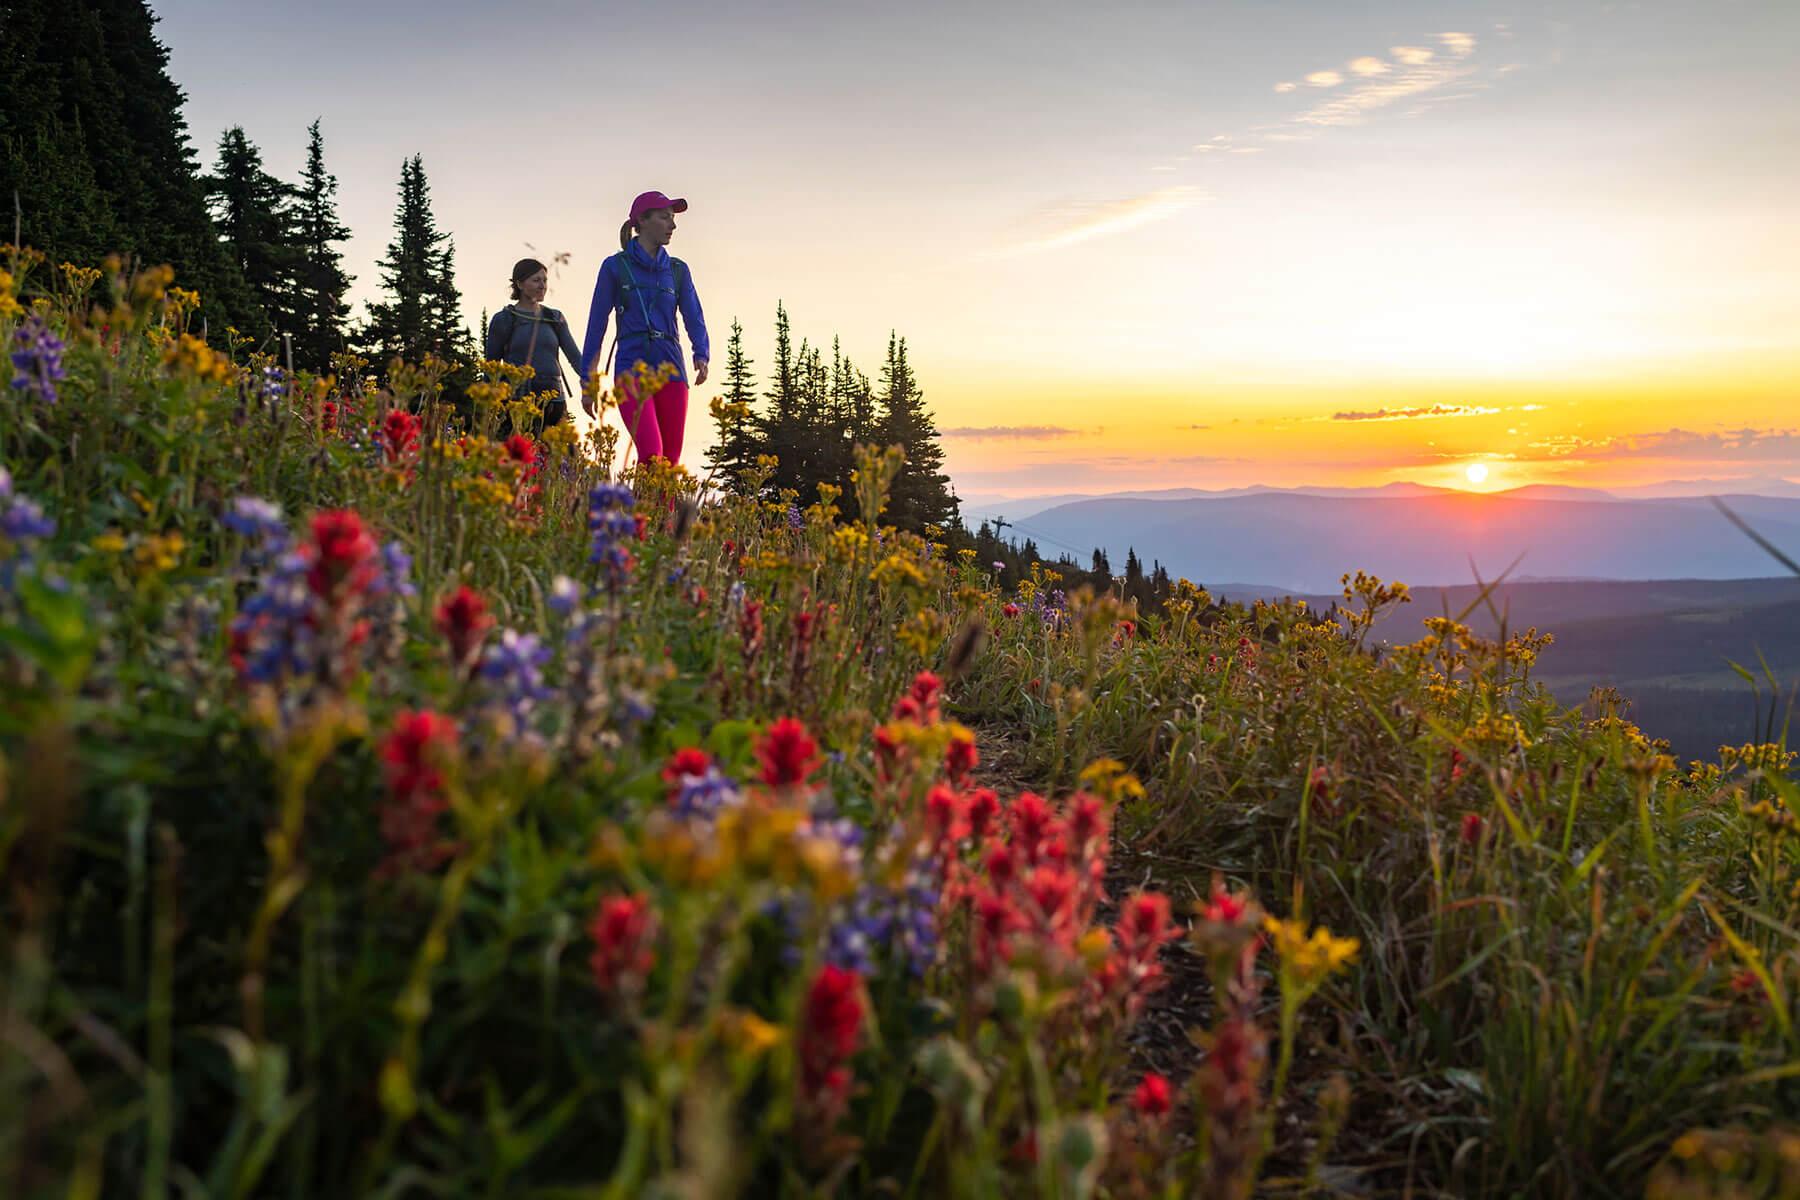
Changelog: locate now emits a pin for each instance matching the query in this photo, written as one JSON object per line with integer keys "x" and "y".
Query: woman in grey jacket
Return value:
{"x": 528, "y": 333}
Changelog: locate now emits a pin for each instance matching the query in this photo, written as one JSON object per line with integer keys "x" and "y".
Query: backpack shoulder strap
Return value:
{"x": 682, "y": 278}
{"x": 512, "y": 327}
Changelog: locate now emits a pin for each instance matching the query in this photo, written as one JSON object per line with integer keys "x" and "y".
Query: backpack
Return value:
{"x": 630, "y": 284}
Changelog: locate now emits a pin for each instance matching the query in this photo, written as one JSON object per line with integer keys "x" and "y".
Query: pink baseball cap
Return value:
{"x": 650, "y": 200}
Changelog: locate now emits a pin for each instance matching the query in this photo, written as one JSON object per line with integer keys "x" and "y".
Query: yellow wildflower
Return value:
{"x": 155, "y": 555}
{"x": 747, "y": 1033}
{"x": 1108, "y": 779}
{"x": 188, "y": 355}
{"x": 1311, "y": 959}
{"x": 898, "y": 569}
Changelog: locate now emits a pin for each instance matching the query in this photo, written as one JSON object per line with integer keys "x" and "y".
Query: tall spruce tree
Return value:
{"x": 781, "y": 431}
{"x": 737, "y": 447}
{"x": 320, "y": 284}
{"x": 93, "y": 140}
{"x": 921, "y": 494}
{"x": 422, "y": 312}
{"x": 253, "y": 211}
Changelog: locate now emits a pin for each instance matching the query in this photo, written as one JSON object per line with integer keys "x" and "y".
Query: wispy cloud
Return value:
{"x": 1420, "y": 72}
{"x": 1325, "y": 79}
{"x": 1368, "y": 67}
{"x": 1413, "y": 414}
{"x": 1081, "y": 223}
{"x": 1010, "y": 432}
{"x": 1732, "y": 445}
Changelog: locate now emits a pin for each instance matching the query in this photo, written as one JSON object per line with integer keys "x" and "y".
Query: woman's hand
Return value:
{"x": 587, "y": 403}
{"x": 699, "y": 371}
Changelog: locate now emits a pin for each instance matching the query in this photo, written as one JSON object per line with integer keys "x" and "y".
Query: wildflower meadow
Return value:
{"x": 397, "y": 803}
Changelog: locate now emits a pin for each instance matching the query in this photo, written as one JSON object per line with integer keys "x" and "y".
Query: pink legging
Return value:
{"x": 657, "y": 428}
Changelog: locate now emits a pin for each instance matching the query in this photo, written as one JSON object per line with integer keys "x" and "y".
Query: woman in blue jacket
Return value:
{"x": 646, "y": 288}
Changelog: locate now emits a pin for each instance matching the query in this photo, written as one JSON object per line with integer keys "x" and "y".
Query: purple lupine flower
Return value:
{"x": 565, "y": 595}
{"x": 274, "y": 632}
{"x": 612, "y": 525}
{"x": 795, "y": 519}
{"x": 395, "y": 578}
{"x": 514, "y": 666}
{"x": 24, "y": 522}
{"x": 633, "y": 707}
{"x": 704, "y": 796}
{"x": 257, "y": 518}
{"x": 273, "y": 385}
{"x": 37, "y": 359}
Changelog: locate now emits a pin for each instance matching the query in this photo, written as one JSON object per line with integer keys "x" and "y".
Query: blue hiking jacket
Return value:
{"x": 635, "y": 287}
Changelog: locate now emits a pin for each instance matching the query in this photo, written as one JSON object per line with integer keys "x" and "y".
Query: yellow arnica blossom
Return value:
{"x": 1108, "y": 778}
{"x": 748, "y": 1033}
{"x": 188, "y": 355}
{"x": 1314, "y": 958}
{"x": 897, "y": 568}
{"x": 154, "y": 555}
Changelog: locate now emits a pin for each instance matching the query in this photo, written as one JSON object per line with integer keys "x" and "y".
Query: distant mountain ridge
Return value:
{"x": 1306, "y": 540}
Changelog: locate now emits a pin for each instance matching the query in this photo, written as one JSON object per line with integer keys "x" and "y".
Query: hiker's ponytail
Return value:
{"x": 625, "y": 232}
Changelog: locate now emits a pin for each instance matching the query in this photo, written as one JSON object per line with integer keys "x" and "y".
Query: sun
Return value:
{"x": 1476, "y": 473}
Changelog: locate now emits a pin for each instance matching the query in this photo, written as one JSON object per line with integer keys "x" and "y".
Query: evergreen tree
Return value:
{"x": 738, "y": 445}
{"x": 1100, "y": 565}
{"x": 780, "y": 427}
{"x": 320, "y": 310}
{"x": 422, "y": 312}
{"x": 93, "y": 141}
{"x": 253, "y": 212}
{"x": 921, "y": 493}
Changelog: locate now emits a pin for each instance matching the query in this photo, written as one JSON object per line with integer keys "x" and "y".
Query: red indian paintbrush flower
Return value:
{"x": 344, "y": 557}
{"x": 689, "y": 760}
{"x": 521, "y": 450}
{"x": 1472, "y": 828}
{"x": 1152, "y": 1098}
{"x": 399, "y": 433}
{"x": 787, "y": 753}
{"x": 946, "y": 817}
{"x": 961, "y": 757}
{"x": 464, "y": 620}
{"x": 623, "y": 930}
{"x": 984, "y": 807}
{"x": 413, "y": 756}
{"x": 830, "y": 1023}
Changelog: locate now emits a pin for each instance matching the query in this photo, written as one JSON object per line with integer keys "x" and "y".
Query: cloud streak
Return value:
{"x": 1733, "y": 445}
{"x": 1083, "y": 223}
{"x": 1010, "y": 432}
{"x": 1413, "y": 414}
{"x": 1420, "y": 72}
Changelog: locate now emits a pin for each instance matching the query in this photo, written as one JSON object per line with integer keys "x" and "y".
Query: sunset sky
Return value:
{"x": 1134, "y": 245}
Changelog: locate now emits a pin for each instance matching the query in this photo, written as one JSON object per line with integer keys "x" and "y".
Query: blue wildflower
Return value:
{"x": 565, "y": 595}
{"x": 395, "y": 578}
{"x": 611, "y": 524}
{"x": 37, "y": 360}
{"x": 706, "y": 795}
{"x": 514, "y": 665}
